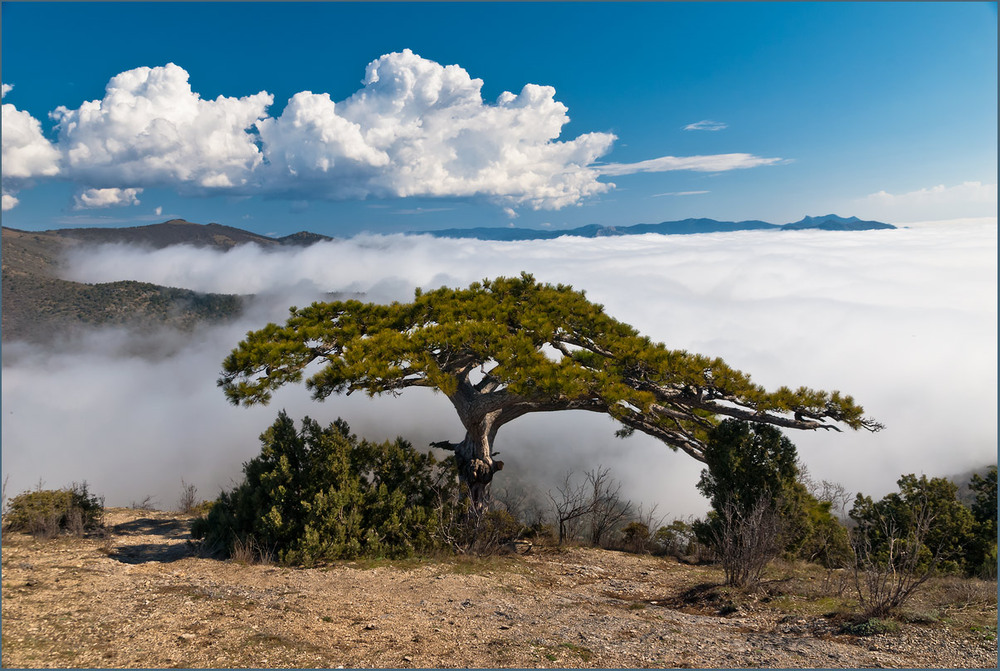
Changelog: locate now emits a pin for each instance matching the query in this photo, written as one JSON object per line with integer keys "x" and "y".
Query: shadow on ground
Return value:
{"x": 176, "y": 535}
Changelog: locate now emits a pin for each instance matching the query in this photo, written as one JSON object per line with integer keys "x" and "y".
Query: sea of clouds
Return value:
{"x": 904, "y": 320}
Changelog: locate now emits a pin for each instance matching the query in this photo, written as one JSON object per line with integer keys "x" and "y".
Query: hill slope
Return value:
{"x": 40, "y": 306}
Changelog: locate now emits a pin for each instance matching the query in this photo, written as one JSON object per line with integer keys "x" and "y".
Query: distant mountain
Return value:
{"x": 303, "y": 239}
{"x": 830, "y": 222}
{"x": 181, "y": 232}
{"x": 173, "y": 232}
{"x": 40, "y": 306}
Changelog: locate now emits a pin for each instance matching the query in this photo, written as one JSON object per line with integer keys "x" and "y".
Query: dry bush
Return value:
{"x": 188, "y": 502}
{"x": 746, "y": 541}
{"x": 249, "y": 551}
{"x": 146, "y": 504}
{"x": 836, "y": 582}
{"x": 891, "y": 562}
{"x": 967, "y": 592}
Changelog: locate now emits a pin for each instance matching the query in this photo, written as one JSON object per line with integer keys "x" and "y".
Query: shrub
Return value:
{"x": 482, "y": 534}
{"x": 871, "y": 627}
{"x": 674, "y": 539}
{"x": 188, "y": 502}
{"x": 810, "y": 530}
{"x": 47, "y": 512}
{"x": 636, "y": 538}
{"x": 904, "y": 539}
{"x": 322, "y": 494}
{"x": 744, "y": 540}
{"x": 981, "y": 556}
{"x": 920, "y": 502}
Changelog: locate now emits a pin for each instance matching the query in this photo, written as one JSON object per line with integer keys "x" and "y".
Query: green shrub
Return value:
{"x": 949, "y": 525}
{"x": 678, "y": 539}
{"x": 810, "y": 531}
{"x": 636, "y": 538}
{"x": 48, "y": 512}
{"x": 981, "y": 553}
{"x": 872, "y": 627}
{"x": 322, "y": 494}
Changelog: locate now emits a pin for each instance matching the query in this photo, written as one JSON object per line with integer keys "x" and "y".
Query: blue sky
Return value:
{"x": 880, "y": 110}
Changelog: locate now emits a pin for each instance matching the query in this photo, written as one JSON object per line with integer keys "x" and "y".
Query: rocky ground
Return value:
{"x": 144, "y": 598}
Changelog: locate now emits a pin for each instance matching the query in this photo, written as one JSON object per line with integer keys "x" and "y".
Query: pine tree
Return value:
{"x": 505, "y": 348}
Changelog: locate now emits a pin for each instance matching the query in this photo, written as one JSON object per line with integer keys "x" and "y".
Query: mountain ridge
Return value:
{"x": 181, "y": 231}
{"x": 690, "y": 226}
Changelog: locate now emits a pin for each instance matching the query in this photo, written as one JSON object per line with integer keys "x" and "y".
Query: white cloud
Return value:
{"x": 6, "y": 89}
{"x": 712, "y": 163}
{"x": 95, "y": 198}
{"x": 158, "y": 211}
{"x": 680, "y": 193}
{"x": 414, "y": 128}
{"x": 152, "y": 129}
{"x": 905, "y": 320}
{"x": 418, "y": 128}
{"x": 706, "y": 125}
{"x": 26, "y": 152}
{"x": 969, "y": 199}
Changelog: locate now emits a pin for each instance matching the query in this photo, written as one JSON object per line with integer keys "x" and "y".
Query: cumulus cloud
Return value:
{"x": 152, "y": 129}
{"x": 418, "y": 128}
{"x": 414, "y": 128}
{"x": 95, "y": 198}
{"x": 712, "y": 163}
{"x": 26, "y": 152}
{"x": 969, "y": 199}
{"x": 6, "y": 89}
{"x": 706, "y": 125}
{"x": 905, "y": 320}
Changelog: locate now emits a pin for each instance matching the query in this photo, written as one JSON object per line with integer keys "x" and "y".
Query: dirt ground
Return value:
{"x": 144, "y": 598}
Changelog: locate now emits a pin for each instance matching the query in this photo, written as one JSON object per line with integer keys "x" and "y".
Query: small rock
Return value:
{"x": 370, "y": 626}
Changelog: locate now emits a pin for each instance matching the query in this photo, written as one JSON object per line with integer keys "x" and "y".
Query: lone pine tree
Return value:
{"x": 504, "y": 348}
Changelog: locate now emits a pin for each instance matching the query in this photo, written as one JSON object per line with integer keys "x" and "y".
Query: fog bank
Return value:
{"x": 904, "y": 320}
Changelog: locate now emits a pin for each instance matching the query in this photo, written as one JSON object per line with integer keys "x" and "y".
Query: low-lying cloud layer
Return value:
{"x": 415, "y": 128}
{"x": 904, "y": 320}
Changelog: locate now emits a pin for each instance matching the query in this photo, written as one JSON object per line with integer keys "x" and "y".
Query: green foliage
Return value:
{"x": 636, "y": 537}
{"x": 753, "y": 463}
{"x": 920, "y": 501}
{"x": 745, "y": 463}
{"x": 810, "y": 530}
{"x": 871, "y": 627}
{"x": 676, "y": 539}
{"x": 501, "y": 328}
{"x": 981, "y": 558}
{"x": 321, "y": 494}
{"x": 46, "y": 512}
